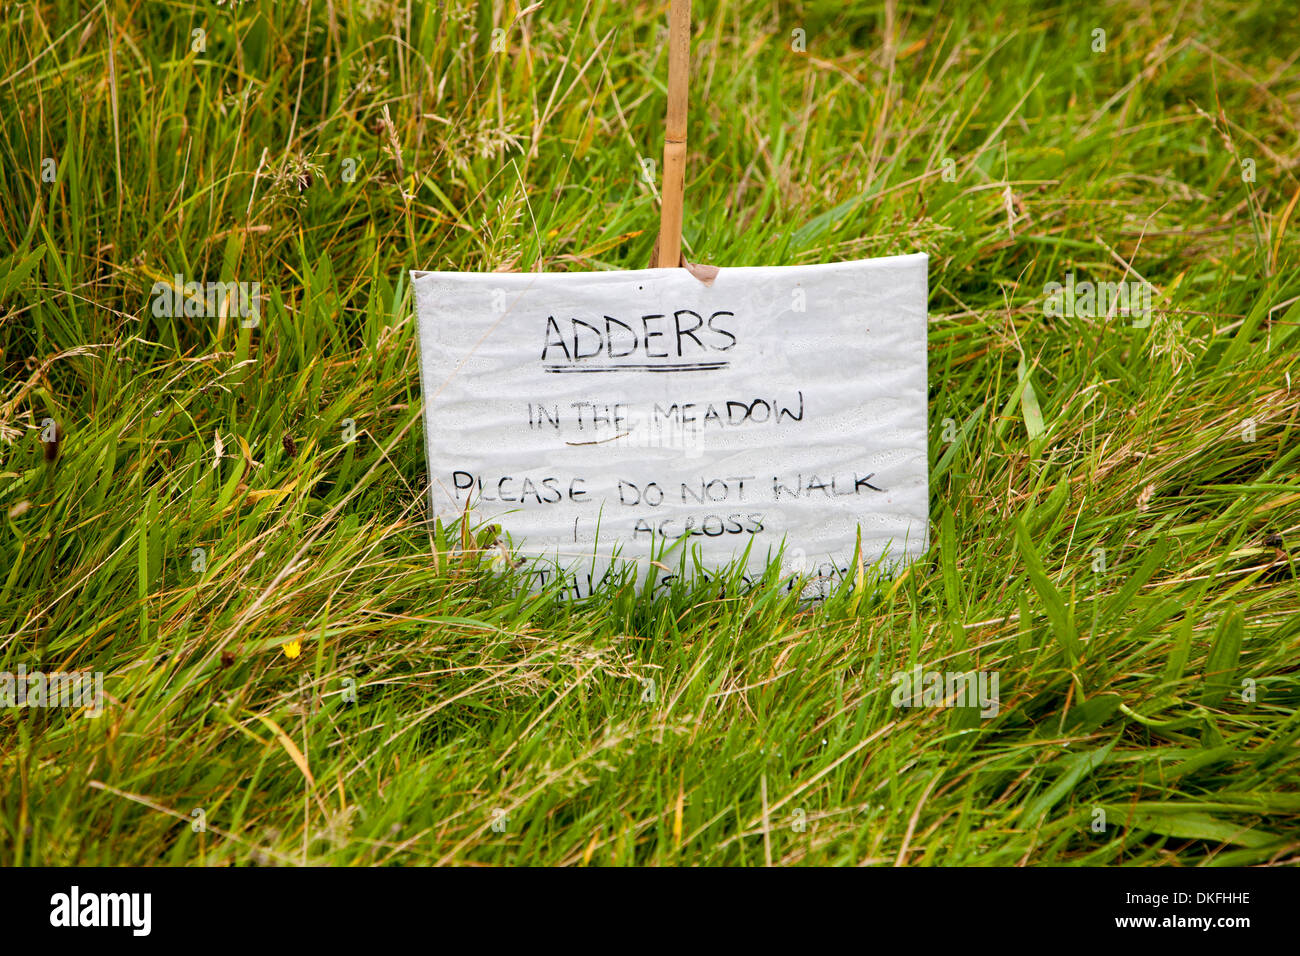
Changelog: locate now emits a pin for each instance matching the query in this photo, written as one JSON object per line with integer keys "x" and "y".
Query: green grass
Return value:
{"x": 769, "y": 733}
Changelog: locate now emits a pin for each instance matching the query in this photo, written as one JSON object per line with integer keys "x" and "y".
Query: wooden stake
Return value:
{"x": 674, "y": 188}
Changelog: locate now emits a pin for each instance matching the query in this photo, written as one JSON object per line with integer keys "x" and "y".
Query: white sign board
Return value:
{"x": 594, "y": 414}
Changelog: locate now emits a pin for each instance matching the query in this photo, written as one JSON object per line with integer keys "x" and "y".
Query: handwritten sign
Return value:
{"x": 612, "y": 415}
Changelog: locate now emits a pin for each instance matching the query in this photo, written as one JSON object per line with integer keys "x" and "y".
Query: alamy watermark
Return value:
{"x": 206, "y": 299}
{"x": 1090, "y": 300}
{"x": 947, "y": 689}
{"x": 38, "y": 689}
{"x": 77, "y": 909}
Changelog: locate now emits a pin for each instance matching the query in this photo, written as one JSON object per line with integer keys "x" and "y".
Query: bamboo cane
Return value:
{"x": 674, "y": 187}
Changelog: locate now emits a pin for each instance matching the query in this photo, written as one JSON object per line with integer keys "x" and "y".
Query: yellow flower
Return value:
{"x": 293, "y": 649}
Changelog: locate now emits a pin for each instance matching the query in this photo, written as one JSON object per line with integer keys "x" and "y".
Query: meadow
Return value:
{"x": 225, "y": 513}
